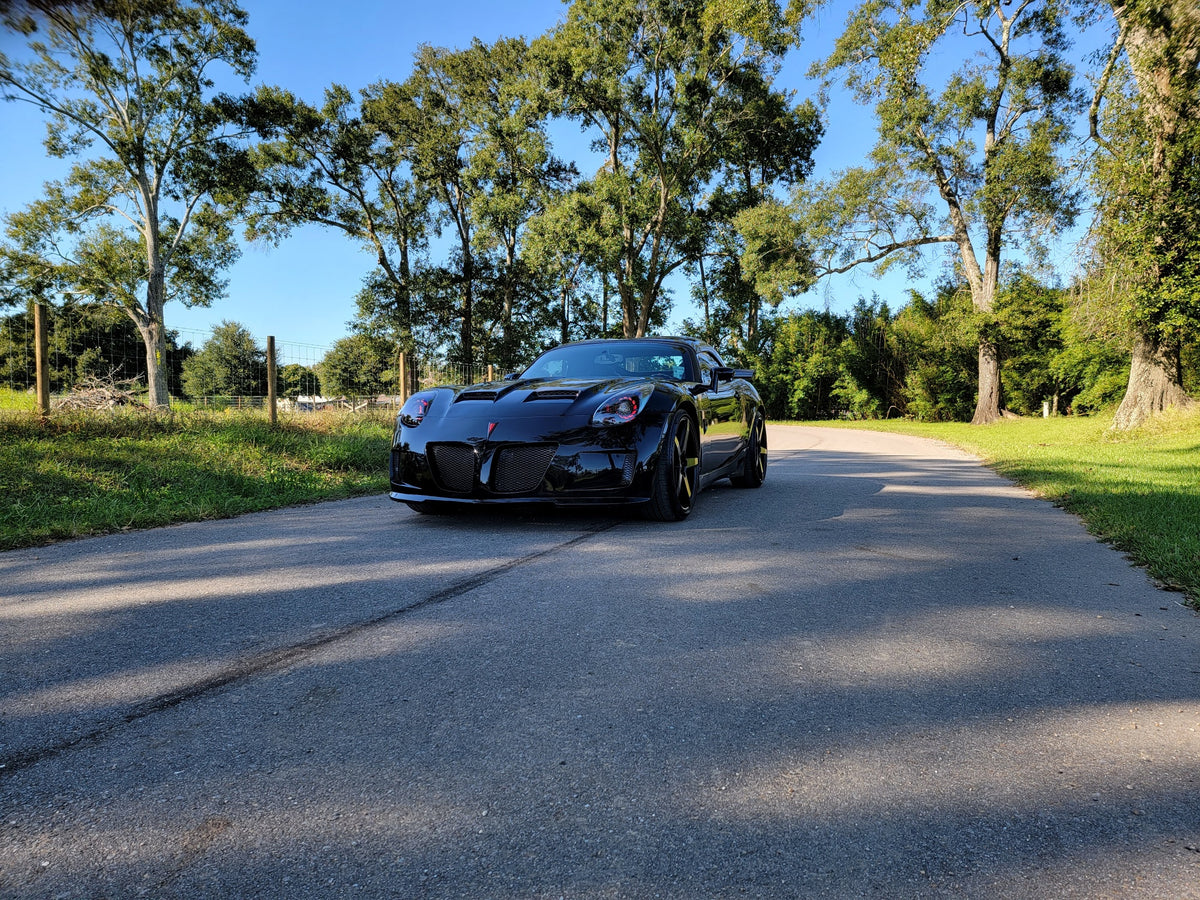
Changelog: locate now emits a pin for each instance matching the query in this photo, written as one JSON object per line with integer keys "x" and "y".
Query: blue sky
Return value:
{"x": 303, "y": 291}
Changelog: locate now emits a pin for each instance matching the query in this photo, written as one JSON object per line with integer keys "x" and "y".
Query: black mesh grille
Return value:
{"x": 453, "y": 466}
{"x": 627, "y": 473}
{"x": 520, "y": 469}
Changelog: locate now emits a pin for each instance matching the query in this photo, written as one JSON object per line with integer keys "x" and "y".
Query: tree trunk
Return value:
{"x": 154, "y": 337}
{"x": 466, "y": 333}
{"x": 604, "y": 304}
{"x": 151, "y": 322}
{"x": 1154, "y": 384}
{"x": 566, "y": 315}
{"x": 629, "y": 304}
{"x": 752, "y": 322}
{"x": 987, "y": 408}
{"x": 1162, "y": 41}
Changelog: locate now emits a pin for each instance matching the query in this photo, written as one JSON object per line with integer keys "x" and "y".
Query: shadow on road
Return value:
{"x": 881, "y": 674}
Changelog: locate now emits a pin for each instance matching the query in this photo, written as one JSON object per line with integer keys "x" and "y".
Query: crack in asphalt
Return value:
{"x": 276, "y": 658}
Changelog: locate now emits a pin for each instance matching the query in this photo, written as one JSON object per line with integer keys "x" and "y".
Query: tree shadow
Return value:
{"x": 875, "y": 676}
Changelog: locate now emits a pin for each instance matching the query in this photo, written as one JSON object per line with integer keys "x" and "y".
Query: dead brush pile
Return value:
{"x": 100, "y": 393}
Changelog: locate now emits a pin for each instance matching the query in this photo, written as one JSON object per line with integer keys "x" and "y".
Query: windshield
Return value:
{"x": 618, "y": 359}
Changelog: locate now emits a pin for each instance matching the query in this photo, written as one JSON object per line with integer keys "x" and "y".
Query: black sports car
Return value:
{"x": 649, "y": 421}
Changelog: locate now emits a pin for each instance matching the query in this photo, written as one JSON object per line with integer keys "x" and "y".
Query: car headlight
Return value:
{"x": 415, "y": 409}
{"x": 619, "y": 409}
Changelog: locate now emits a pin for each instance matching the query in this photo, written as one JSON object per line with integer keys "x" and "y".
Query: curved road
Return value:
{"x": 888, "y": 673}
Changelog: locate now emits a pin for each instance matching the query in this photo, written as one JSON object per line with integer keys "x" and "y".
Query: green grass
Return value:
{"x": 10, "y": 400}
{"x": 1138, "y": 491}
{"x": 78, "y": 474}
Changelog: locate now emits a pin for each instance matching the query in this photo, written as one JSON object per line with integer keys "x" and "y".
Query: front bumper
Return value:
{"x": 581, "y": 466}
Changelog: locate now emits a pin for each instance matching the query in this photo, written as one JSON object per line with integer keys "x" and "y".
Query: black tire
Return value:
{"x": 754, "y": 464}
{"x": 677, "y": 474}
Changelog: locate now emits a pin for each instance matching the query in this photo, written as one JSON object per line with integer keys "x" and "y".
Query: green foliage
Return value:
{"x": 230, "y": 364}
{"x": 920, "y": 362}
{"x": 969, "y": 160}
{"x": 359, "y": 366}
{"x": 84, "y": 341}
{"x": 1027, "y": 323}
{"x": 1148, "y": 177}
{"x": 938, "y": 341}
{"x": 676, "y": 102}
{"x": 775, "y": 259}
{"x": 144, "y": 219}
{"x": 296, "y": 380}
{"x": 804, "y": 366}
{"x": 819, "y": 365}
{"x": 458, "y": 150}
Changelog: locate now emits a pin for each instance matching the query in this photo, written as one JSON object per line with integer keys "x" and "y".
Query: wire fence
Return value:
{"x": 108, "y": 349}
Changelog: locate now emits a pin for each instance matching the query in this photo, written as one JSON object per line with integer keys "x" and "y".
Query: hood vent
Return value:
{"x": 553, "y": 394}
{"x": 477, "y": 395}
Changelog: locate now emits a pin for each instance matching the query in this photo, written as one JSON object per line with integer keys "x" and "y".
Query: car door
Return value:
{"x": 720, "y": 414}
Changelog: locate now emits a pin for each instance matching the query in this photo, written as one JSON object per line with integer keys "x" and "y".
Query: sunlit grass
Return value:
{"x": 90, "y": 473}
{"x": 1140, "y": 491}
{"x": 18, "y": 401}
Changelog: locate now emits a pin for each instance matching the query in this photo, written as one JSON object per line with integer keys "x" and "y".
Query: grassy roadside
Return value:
{"x": 1139, "y": 492}
{"x": 94, "y": 473}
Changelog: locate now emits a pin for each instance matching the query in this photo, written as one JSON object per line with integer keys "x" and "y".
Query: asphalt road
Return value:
{"x": 887, "y": 673}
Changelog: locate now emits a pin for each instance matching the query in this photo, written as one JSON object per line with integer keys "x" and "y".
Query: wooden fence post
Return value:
{"x": 41, "y": 353}
{"x": 272, "y": 399}
{"x": 405, "y": 383}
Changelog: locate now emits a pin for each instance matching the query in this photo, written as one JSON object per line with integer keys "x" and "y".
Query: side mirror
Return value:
{"x": 727, "y": 374}
{"x": 512, "y": 376}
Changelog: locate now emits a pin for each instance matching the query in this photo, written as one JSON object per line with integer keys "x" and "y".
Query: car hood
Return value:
{"x": 528, "y": 397}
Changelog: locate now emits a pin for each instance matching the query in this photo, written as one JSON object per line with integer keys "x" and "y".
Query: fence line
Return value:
{"x": 115, "y": 352}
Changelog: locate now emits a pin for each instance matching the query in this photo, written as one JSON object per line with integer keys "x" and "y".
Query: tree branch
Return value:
{"x": 886, "y": 250}
{"x": 1102, "y": 88}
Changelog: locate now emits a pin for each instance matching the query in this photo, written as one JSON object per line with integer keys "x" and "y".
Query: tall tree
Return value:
{"x": 231, "y": 363}
{"x": 768, "y": 147}
{"x": 1148, "y": 178}
{"x": 967, "y": 159}
{"x": 477, "y": 127}
{"x": 659, "y": 84}
{"x": 342, "y": 166}
{"x": 132, "y": 81}
{"x": 459, "y": 146}
{"x": 358, "y": 366}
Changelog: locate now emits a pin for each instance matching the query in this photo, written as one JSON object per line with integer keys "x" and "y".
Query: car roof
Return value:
{"x": 694, "y": 343}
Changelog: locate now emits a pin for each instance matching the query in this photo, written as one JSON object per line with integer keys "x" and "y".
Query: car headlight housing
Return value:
{"x": 619, "y": 409}
{"x": 415, "y": 409}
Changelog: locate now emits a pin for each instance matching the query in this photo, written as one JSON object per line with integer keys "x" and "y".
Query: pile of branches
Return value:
{"x": 100, "y": 393}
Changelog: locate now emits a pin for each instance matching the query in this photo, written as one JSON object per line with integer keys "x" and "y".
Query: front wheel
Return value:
{"x": 677, "y": 474}
{"x": 754, "y": 464}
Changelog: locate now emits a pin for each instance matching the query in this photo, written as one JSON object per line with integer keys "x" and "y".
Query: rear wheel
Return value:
{"x": 754, "y": 465}
{"x": 677, "y": 474}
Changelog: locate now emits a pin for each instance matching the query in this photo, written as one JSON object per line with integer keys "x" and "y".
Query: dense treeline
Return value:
{"x": 919, "y": 361}
{"x": 489, "y": 245}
